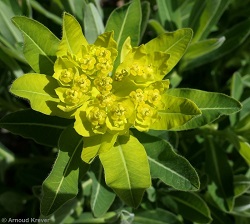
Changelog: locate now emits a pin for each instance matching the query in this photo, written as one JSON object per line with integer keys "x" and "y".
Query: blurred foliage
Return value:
{"x": 218, "y": 60}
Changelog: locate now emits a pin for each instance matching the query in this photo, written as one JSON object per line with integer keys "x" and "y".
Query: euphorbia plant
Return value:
{"x": 107, "y": 92}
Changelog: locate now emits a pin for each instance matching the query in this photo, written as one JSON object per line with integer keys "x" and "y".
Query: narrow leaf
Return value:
{"x": 211, "y": 13}
{"x": 173, "y": 43}
{"x": 38, "y": 7}
{"x": 8, "y": 30}
{"x": 237, "y": 87}
{"x": 157, "y": 216}
{"x": 127, "y": 170}
{"x": 62, "y": 183}
{"x": 212, "y": 106}
{"x": 101, "y": 197}
{"x": 145, "y": 8}
{"x": 241, "y": 185}
{"x": 191, "y": 206}
{"x": 197, "y": 52}
{"x": 93, "y": 25}
{"x": 156, "y": 26}
{"x": 169, "y": 14}
{"x": 40, "y": 44}
{"x": 235, "y": 36}
{"x": 165, "y": 164}
{"x": 30, "y": 124}
{"x": 220, "y": 175}
{"x": 125, "y": 21}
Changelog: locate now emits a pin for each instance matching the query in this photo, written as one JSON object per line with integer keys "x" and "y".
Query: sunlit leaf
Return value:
{"x": 62, "y": 183}
{"x": 177, "y": 111}
{"x": 101, "y": 197}
{"x": 126, "y": 169}
{"x": 172, "y": 43}
{"x": 40, "y": 91}
{"x": 72, "y": 36}
{"x": 212, "y": 106}
{"x": 125, "y": 21}
{"x": 40, "y": 44}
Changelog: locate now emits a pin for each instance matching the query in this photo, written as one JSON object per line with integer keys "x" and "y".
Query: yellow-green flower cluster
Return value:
{"x": 107, "y": 99}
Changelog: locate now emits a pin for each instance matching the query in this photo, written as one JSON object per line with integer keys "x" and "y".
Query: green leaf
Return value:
{"x": 40, "y": 91}
{"x": 172, "y": 43}
{"x": 101, "y": 196}
{"x": 38, "y": 7}
{"x": 241, "y": 185}
{"x": 125, "y": 21}
{"x": 245, "y": 108}
{"x": 171, "y": 168}
{"x": 191, "y": 206}
{"x": 176, "y": 112}
{"x": 197, "y": 52}
{"x": 244, "y": 151}
{"x": 72, "y": 36}
{"x": 236, "y": 92}
{"x": 212, "y": 106}
{"x": 220, "y": 175}
{"x": 127, "y": 170}
{"x": 30, "y": 124}
{"x": 235, "y": 36}
{"x": 11, "y": 63}
{"x": 40, "y": 44}
{"x": 94, "y": 145}
{"x": 88, "y": 218}
{"x": 169, "y": 14}
{"x": 206, "y": 14}
{"x": 93, "y": 25}
{"x": 156, "y": 26}
{"x": 145, "y": 9}
{"x": 62, "y": 183}
{"x": 8, "y": 30}
{"x": 157, "y": 216}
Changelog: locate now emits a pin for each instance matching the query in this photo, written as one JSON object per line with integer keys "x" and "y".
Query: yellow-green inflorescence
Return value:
{"x": 105, "y": 98}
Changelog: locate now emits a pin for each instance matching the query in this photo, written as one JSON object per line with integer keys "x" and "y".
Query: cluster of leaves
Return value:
{"x": 218, "y": 180}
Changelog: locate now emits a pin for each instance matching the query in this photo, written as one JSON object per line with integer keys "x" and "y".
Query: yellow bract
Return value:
{"x": 107, "y": 100}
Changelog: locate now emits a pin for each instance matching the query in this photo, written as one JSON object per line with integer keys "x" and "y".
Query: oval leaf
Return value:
{"x": 127, "y": 170}
{"x": 40, "y": 44}
{"x": 62, "y": 183}
{"x": 212, "y": 106}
